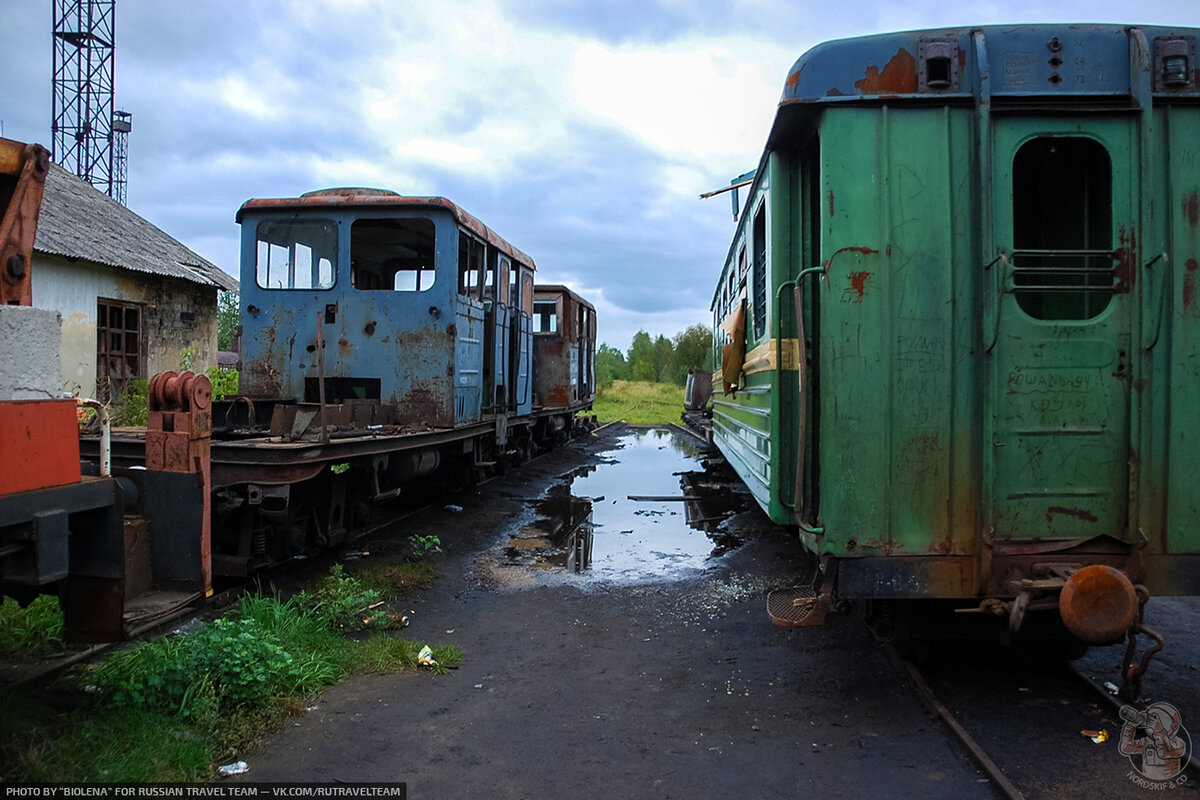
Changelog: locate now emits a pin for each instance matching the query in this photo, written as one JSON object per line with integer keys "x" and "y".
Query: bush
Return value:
{"x": 224, "y": 382}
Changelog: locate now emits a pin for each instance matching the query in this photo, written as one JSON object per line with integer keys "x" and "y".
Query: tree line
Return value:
{"x": 659, "y": 360}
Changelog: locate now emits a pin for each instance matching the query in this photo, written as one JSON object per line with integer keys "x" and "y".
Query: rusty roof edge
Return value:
{"x": 825, "y": 73}
{"x": 344, "y": 201}
{"x": 558, "y": 288}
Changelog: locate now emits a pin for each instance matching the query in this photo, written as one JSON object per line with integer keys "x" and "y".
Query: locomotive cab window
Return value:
{"x": 1063, "y": 259}
{"x": 545, "y": 316}
{"x": 296, "y": 254}
{"x": 392, "y": 254}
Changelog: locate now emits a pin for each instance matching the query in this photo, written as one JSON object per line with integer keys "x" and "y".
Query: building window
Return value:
{"x": 1062, "y": 228}
{"x": 118, "y": 346}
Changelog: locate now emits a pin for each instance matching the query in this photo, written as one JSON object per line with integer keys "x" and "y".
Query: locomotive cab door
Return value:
{"x": 1057, "y": 327}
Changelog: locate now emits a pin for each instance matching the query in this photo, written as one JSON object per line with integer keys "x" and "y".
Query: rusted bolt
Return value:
{"x": 1055, "y": 44}
{"x": 1055, "y": 78}
{"x": 851, "y": 545}
{"x": 16, "y": 266}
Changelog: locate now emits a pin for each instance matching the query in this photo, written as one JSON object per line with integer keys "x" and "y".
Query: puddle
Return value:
{"x": 588, "y": 527}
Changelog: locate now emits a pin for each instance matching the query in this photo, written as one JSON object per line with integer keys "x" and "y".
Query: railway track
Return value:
{"x": 1036, "y": 729}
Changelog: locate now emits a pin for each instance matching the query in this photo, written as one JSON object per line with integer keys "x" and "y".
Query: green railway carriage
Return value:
{"x": 959, "y": 325}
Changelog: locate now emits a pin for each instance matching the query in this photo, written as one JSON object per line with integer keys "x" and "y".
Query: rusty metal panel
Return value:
{"x": 564, "y": 357}
{"x": 23, "y": 169}
{"x": 898, "y": 403}
{"x": 1170, "y": 449}
{"x": 396, "y": 347}
{"x": 39, "y": 445}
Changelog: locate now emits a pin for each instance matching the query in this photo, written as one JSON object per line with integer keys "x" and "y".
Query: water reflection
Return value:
{"x": 589, "y": 524}
{"x": 562, "y": 536}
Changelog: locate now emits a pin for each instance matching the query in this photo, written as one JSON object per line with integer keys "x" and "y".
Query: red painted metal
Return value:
{"x": 39, "y": 445}
{"x": 179, "y": 439}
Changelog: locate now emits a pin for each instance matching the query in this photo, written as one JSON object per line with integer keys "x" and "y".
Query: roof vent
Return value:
{"x": 939, "y": 68}
{"x": 351, "y": 191}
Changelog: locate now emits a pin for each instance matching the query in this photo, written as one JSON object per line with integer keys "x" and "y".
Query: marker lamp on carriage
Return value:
{"x": 1175, "y": 70}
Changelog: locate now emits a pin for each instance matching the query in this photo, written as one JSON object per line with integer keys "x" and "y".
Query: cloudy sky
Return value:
{"x": 582, "y": 132}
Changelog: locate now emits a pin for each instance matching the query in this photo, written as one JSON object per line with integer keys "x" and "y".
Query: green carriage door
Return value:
{"x": 1060, "y": 323}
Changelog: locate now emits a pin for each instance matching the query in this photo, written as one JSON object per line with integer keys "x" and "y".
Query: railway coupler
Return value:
{"x": 1131, "y": 673}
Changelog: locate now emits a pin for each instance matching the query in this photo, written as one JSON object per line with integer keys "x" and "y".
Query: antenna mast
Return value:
{"x": 88, "y": 138}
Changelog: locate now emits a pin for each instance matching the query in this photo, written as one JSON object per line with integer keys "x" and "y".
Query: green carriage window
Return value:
{"x": 760, "y": 272}
{"x": 1063, "y": 256}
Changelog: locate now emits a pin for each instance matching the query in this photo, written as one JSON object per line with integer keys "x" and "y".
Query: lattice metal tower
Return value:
{"x": 82, "y": 98}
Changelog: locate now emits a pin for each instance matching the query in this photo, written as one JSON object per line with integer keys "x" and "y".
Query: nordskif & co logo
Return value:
{"x": 1157, "y": 745}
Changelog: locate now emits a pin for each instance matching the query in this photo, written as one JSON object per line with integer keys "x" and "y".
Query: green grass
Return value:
{"x": 639, "y": 403}
{"x": 171, "y": 709}
{"x": 34, "y": 630}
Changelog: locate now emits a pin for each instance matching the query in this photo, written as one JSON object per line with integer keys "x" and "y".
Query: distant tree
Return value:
{"x": 227, "y": 319}
{"x": 641, "y": 358}
{"x": 693, "y": 350}
{"x": 664, "y": 359}
{"x": 610, "y": 365}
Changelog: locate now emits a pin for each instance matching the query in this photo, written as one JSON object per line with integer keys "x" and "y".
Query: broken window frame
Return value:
{"x": 282, "y": 246}
{"x": 412, "y": 267}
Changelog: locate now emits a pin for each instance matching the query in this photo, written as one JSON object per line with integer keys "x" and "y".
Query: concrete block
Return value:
{"x": 30, "y": 361}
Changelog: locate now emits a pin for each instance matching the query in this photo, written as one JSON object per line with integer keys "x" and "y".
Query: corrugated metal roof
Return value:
{"x": 78, "y": 221}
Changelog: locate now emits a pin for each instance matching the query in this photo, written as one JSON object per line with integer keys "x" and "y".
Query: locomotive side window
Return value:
{"x": 545, "y": 316}
{"x": 296, "y": 254}
{"x": 1062, "y": 228}
{"x": 760, "y": 272}
{"x": 470, "y": 264}
{"x": 392, "y": 254}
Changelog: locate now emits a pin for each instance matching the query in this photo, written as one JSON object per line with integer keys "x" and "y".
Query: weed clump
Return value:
{"x": 170, "y": 708}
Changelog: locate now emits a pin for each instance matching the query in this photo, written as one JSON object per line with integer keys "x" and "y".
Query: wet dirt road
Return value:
{"x": 653, "y": 671}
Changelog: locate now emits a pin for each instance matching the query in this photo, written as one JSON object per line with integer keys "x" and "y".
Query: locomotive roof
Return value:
{"x": 1000, "y": 61}
{"x": 1048, "y": 66}
{"x": 353, "y": 197}
{"x": 557, "y": 288}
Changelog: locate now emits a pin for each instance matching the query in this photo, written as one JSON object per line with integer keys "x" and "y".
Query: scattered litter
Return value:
{"x": 450, "y": 630}
{"x": 353, "y": 555}
{"x": 1099, "y": 737}
{"x": 454, "y": 508}
{"x": 479, "y": 686}
{"x": 397, "y": 621}
{"x": 191, "y": 626}
{"x": 311, "y": 708}
{"x": 236, "y": 768}
{"x": 425, "y": 657}
{"x": 1110, "y": 687}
